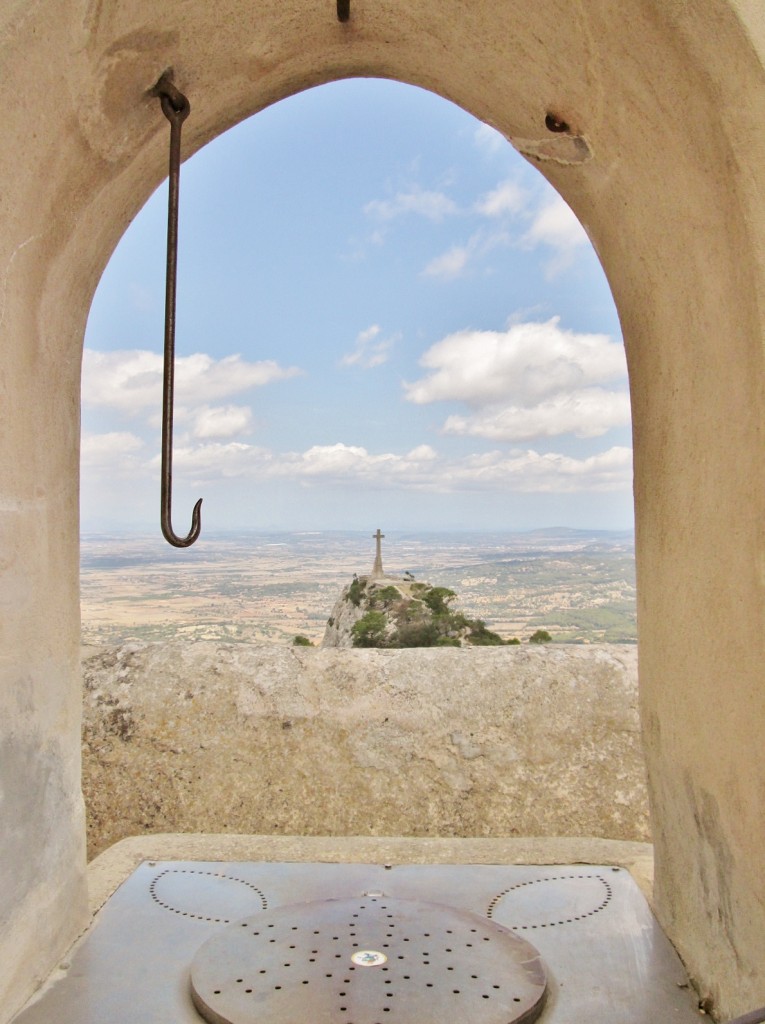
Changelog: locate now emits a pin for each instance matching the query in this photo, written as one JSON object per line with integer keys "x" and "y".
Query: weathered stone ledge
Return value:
{"x": 492, "y": 742}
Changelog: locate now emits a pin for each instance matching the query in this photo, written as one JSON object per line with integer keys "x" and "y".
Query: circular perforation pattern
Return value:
{"x": 550, "y": 902}
{"x": 205, "y": 895}
{"x": 295, "y": 964}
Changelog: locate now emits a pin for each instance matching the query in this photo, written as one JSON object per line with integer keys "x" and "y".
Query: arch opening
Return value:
{"x": 341, "y": 319}
{"x": 677, "y": 227}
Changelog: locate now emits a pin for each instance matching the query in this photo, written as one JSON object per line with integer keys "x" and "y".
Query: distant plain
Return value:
{"x": 268, "y": 587}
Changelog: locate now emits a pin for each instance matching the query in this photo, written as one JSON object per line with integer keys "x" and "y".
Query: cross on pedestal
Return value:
{"x": 377, "y": 569}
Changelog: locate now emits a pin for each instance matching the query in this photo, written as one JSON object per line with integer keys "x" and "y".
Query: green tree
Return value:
{"x": 480, "y": 636}
{"x": 540, "y": 637}
{"x": 370, "y": 630}
{"x": 301, "y": 641}
{"x": 438, "y": 598}
{"x": 448, "y": 641}
{"x": 416, "y": 633}
{"x": 356, "y": 591}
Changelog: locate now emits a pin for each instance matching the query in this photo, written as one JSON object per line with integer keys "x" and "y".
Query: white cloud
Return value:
{"x": 220, "y": 422}
{"x": 555, "y": 224}
{"x": 369, "y": 351}
{"x": 130, "y": 381}
{"x": 219, "y": 460}
{"x": 435, "y": 206}
{"x": 551, "y": 224}
{"x": 532, "y": 380}
{"x": 526, "y": 362}
{"x": 449, "y": 264}
{"x": 589, "y": 412}
{"x": 506, "y": 198}
{"x": 206, "y": 455}
{"x": 112, "y": 451}
{"x": 421, "y": 469}
{"x": 550, "y": 472}
{"x": 320, "y": 462}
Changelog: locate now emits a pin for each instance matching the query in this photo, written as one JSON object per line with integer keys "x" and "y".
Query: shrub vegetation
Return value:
{"x": 540, "y": 637}
{"x": 414, "y": 615}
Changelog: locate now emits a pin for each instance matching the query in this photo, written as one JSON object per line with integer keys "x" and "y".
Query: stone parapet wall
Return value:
{"x": 209, "y": 737}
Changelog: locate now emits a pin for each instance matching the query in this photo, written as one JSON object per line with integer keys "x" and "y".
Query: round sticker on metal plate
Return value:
{"x": 369, "y": 958}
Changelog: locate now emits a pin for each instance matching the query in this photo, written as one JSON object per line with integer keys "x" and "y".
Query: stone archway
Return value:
{"x": 662, "y": 165}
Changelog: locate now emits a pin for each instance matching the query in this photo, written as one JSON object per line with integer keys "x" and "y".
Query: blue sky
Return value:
{"x": 385, "y": 317}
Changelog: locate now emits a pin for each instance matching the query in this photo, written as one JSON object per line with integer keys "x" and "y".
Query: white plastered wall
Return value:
{"x": 668, "y": 97}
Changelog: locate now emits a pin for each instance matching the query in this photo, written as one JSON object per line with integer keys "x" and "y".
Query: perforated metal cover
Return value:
{"x": 373, "y": 960}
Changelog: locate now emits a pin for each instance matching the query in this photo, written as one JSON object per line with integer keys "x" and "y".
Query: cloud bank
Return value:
{"x": 420, "y": 469}
{"x": 531, "y": 381}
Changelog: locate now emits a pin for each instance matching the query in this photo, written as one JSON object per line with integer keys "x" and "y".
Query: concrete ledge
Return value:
{"x": 107, "y": 872}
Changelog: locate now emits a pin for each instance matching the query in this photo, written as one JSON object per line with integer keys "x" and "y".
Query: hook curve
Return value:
{"x": 176, "y": 108}
{"x": 167, "y": 529}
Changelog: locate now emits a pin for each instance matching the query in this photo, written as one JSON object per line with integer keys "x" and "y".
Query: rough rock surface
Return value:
{"x": 343, "y": 618}
{"x": 510, "y": 741}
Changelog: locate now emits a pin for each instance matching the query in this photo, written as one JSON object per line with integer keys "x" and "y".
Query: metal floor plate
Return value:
{"x": 354, "y": 960}
{"x": 170, "y": 923}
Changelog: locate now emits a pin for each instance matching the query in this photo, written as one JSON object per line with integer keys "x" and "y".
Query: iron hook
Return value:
{"x": 176, "y": 108}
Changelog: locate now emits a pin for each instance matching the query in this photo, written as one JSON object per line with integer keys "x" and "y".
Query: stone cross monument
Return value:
{"x": 377, "y": 569}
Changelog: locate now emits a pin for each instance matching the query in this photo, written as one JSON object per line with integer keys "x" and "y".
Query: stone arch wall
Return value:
{"x": 668, "y": 180}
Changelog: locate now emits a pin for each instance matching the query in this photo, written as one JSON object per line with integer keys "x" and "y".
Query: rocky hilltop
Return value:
{"x": 388, "y": 612}
{"x": 497, "y": 741}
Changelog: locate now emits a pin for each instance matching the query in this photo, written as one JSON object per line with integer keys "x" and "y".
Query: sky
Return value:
{"x": 386, "y": 317}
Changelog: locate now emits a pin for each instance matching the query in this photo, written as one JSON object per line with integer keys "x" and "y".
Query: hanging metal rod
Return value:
{"x": 176, "y": 109}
